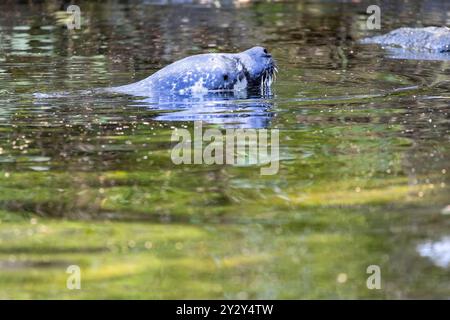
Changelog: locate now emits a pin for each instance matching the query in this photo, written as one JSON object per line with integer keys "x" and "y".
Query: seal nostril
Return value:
{"x": 225, "y": 77}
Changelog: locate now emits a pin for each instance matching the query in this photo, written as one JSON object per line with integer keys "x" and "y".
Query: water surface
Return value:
{"x": 87, "y": 179}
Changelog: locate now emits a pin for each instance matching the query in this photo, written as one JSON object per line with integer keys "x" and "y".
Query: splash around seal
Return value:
{"x": 253, "y": 69}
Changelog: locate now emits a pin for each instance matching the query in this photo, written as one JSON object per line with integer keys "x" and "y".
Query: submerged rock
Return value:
{"x": 434, "y": 39}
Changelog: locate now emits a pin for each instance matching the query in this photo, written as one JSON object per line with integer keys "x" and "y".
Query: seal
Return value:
{"x": 211, "y": 72}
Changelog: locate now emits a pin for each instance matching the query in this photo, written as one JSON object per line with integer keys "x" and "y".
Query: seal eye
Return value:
{"x": 265, "y": 50}
{"x": 225, "y": 77}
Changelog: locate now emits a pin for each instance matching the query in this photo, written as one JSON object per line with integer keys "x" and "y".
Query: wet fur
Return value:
{"x": 251, "y": 70}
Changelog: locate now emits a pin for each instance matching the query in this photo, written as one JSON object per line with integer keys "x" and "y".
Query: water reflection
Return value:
{"x": 396, "y": 53}
{"x": 438, "y": 251}
{"x": 229, "y": 110}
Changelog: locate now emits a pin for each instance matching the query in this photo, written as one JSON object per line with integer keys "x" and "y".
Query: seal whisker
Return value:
{"x": 263, "y": 81}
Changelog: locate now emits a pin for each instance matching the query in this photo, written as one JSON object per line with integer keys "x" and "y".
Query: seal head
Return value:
{"x": 213, "y": 72}
{"x": 259, "y": 66}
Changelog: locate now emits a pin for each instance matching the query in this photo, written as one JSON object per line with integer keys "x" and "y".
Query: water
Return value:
{"x": 87, "y": 179}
